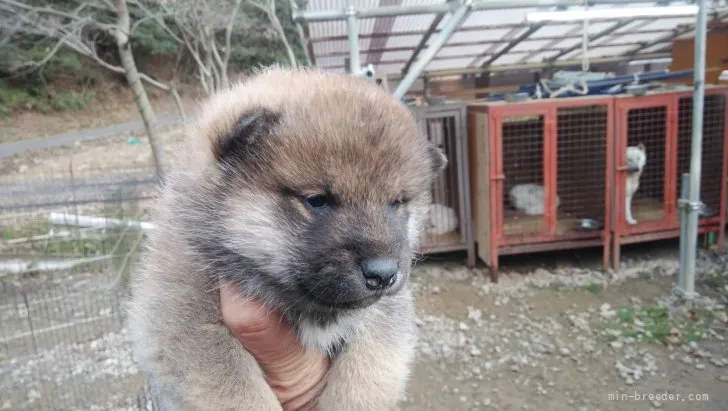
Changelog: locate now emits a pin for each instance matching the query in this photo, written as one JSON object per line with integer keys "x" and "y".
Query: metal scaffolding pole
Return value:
{"x": 456, "y": 17}
{"x": 683, "y": 206}
{"x": 353, "y": 25}
{"x": 694, "y": 205}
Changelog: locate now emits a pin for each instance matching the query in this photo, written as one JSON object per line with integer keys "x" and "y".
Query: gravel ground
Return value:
{"x": 535, "y": 341}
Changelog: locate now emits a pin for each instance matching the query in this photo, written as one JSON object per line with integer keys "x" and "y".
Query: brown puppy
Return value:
{"x": 309, "y": 190}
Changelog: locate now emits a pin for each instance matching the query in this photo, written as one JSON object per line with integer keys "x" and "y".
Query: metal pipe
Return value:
{"x": 353, "y": 25}
{"x": 696, "y": 157}
{"x": 683, "y": 205}
{"x": 389, "y": 11}
{"x": 457, "y": 17}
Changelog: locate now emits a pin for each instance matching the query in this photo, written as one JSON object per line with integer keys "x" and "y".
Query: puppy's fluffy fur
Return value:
{"x": 288, "y": 182}
{"x": 636, "y": 161}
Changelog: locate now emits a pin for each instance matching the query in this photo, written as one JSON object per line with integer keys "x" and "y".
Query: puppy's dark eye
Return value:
{"x": 398, "y": 203}
{"x": 317, "y": 201}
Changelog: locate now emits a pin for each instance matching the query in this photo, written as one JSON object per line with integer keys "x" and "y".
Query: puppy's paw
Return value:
{"x": 631, "y": 221}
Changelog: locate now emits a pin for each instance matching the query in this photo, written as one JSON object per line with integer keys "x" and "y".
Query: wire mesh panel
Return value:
{"x": 449, "y": 222}
{"x": 68, "y": 246}
{"x": 647, "y": 128}
{"x": 524, "y": 194}
{"x": 711, "y": 185}
{"x": 581, "y": 162}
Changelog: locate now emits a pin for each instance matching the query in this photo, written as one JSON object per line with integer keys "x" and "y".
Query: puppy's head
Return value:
{"x": 320, "y": 186}
{"x": 636, "y": 158}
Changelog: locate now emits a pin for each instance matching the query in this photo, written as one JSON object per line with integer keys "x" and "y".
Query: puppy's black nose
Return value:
{"x": 379, "y": 273}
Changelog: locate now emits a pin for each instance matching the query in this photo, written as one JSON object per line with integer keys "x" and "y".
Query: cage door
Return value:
{"x": 523, "y": 187}
{"x": 644, "y": 164}
{"x": 583, "y": 134}
{"x": 713, "y": 150}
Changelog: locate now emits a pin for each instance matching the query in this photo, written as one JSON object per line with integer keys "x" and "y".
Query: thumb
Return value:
{"x": 262, "y": 331}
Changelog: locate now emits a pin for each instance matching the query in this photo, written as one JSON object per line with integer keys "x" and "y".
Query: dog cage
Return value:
{"x": 541, "y": 175}
{"x": 449, "y": 224}
{"x": 662, "y": 123}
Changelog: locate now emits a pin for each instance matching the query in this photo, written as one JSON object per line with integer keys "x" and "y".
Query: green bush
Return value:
{"x": 28, "y": 98}
{"x": 73, "y": 101}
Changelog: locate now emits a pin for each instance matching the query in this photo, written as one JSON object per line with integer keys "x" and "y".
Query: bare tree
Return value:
{"x": 301, "y": 35}
{"x": 123, "y": 27}
{"x": 78, "y": 29}
{"x": 205, "y": 29}
{"x": 269, "y": 8}
{"x": 197, "y": 26}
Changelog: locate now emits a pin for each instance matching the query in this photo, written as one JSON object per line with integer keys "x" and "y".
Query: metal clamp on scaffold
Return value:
{"x": 685, "y": 295}
{"x": 698, "y": 206}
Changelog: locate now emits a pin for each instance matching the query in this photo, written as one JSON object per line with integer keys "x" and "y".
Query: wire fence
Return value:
{"x": 69, "y": 241}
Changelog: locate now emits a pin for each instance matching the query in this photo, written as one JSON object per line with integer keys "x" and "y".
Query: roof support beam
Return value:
{"x": 490, "y": 50}
{"x": 609, "y": 30}
{"x": 330, "y": 15}
{"x": 474, "y": 28}
{"x": 381, "y": 25}
{"x": 530, "y": 66}
{"x": 571, "y": 34}
{"x": 670, "y": 37}
{"x": 513, "y": 43}
{"x": 423, "y": 42}
{"x": 481, "y": 55}
{"x": 453, "y": 22}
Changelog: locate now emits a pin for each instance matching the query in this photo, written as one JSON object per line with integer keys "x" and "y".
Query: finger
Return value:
{"x": 305, "y": 400}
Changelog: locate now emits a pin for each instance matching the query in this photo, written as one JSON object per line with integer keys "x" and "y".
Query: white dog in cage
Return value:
{"x": 636, "y": 161}
{"x": 529, "y": 198}
{"x": 442, "y": 219}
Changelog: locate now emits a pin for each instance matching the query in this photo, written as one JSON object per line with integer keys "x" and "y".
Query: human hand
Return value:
{"x": 296, "y": 375}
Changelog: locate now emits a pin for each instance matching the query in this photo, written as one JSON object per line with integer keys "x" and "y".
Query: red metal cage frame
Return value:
{"x": 501, "y": 244}
{"x": 669, "y": 225}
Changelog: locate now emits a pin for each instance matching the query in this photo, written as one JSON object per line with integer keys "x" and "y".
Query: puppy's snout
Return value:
{"x": 379, "y": 273}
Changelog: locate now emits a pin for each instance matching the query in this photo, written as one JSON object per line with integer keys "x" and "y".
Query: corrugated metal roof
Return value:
{"x": 390, "y": 42}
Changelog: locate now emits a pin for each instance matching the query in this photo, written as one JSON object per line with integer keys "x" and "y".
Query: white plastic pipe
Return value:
{"x": 96, "y": 222}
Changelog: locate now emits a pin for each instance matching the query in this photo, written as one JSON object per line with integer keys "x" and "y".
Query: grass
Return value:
{"x": 594, "y": 288}
{"x": 654, "y": 323}
{"x": 40, "y": 100}
{"x": 647, "y": 275}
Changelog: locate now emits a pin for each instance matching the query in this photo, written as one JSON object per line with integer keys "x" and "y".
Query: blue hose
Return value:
{"x": 609, "y": 86}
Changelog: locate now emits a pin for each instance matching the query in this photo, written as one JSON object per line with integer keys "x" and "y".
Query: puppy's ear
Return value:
{"x": 438, "y": 159}
{"x": 246, "y": 134}
{"x": 642, "y": 147}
